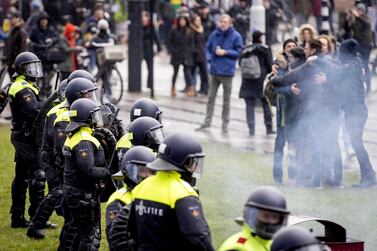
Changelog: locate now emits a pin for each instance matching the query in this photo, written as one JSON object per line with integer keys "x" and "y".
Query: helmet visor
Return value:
{"x": 156, "y": 135}
{"x": 34, "y": 69}
{"x": 97, "y": 118}
{"x": 92, "y": 95}
{"x": 195, "y": 165}
{"x": 264, "y": 222}
{"x": 137, "y": 171}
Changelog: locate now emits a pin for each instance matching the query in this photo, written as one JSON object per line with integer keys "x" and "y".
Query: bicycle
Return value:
{"x": 109, "y": 79}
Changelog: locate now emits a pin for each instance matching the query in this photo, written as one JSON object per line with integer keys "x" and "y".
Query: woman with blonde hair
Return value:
{"x": 306, "y": 33}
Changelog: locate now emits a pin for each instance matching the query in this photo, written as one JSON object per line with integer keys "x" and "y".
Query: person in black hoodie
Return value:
{"x": 44, "y": 37}
{"x": 252, "y": 89}
{"x": 149, "y": 39}
{"x": 353, "y": 103}
{"x": 200, "y": 60}
{"x": 16, "y": 42}
{"x": 180, "y": 44}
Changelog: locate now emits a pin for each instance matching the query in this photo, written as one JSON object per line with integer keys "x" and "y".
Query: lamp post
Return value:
{"x": 257, "y": 16}
{"x": 135, "y": 45}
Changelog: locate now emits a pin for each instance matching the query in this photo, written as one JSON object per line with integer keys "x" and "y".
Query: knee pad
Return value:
{"x": 39, "y": 178}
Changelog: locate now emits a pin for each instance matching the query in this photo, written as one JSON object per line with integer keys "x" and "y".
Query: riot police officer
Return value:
{"x": 24, "y": 105}
{"x": 166, "y": 213}
{"x": 47, "y": 206}
{"x": 85, "y": 167}
{"x": 132, "y": 171}
{"x": 265, "y": 212}
{"x": 143, "y": 131}
{"x": 142, "y": 107}
{"x": 81, "y": 84}
{"x": 295, "y": 239}
{"x": 145, "y": 107}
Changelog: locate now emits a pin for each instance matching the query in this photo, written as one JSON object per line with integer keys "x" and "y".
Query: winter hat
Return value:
{"x": 348, "y": 48}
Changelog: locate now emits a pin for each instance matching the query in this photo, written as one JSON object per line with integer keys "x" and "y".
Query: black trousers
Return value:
{"x": 355, "y": 123}
{"x": 250, "y": 114}
{"x": 203, "y": 73}
{"x": 186, "y": 72}
{"x": 28, "y": 175}
{"x": 150, "y": 79}
{"x": 83, "y": 228}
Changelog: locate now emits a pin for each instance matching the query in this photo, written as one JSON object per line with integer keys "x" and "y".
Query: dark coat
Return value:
{"x": 38, "y": 39}
{"x": 150, "y": 38}
{"x": 15, "y": 44}
{"x": 315, "y": 98}
{"x": 181, "y": 45}
{"x": 199, "y": 46}
{"x": 254, "y": 87}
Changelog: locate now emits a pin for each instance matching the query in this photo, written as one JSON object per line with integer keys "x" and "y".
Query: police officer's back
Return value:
{"x": 166, "y": 213}
{"x": 265, "y": 212}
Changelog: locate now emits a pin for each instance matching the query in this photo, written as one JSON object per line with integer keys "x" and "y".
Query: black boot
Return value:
{"x": 19, "y": 223}
{"x": 34, "y": 232}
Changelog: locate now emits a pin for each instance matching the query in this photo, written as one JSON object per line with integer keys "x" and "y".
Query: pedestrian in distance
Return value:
{"x": 255, "y": 62}
{"x": 223, "y": 49}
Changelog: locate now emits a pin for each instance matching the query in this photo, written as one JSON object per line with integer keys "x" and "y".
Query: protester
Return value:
{"x": 224, "y": 47}
{"x": 252, "y": 86}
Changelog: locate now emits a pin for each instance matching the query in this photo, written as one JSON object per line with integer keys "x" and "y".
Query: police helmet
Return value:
{"x": 29, "y": 65}
{"x": 61, "y": 89}
{"x": 81, "y": 74}
{"x": 145, "y": 107}
{"x": 80, "y": 88}
{"x": 146, "y": 131}
{"x": 82, "y": 112}
{"x": 295, "y": 239}
{"x": 265, "y": 211}
{"x": 179, "y": 152}
{"x": 133, "y": 168}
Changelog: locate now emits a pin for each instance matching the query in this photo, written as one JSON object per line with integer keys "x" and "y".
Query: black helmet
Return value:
{"x": 61, "y": 89}
{"x": 146, "y": 131}
{"x": 84, "y": 112}
{"x": 145, "y": 107}
{"x": 133, "y": 167}
{"x": 266, "y": 211}
{"x": 295, "y": 239}
{"x": 179, "y": 152}
{"x": 81, "y": 74}
{"x": 29, "y": 65}
{"x": 78, "y": 88}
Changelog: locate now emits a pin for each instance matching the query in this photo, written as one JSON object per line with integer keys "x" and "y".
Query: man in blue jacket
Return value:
{"x": 223, "y": 48}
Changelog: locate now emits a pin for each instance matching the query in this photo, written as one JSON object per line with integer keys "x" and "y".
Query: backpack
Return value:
{"x": 269, "y": 90}
{"x": 250, "y": 65}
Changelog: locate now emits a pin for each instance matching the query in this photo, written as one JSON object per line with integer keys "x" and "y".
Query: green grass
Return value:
{"x": 229, "y": 177}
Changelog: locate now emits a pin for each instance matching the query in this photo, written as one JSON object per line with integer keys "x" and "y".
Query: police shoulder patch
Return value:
{"x": 83, "y": 152}
{"x": 194, "y": 211}
{"x": 27, "y": 98}
{"x": 60, "y": 134}
{"x": 112, "y": 215}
